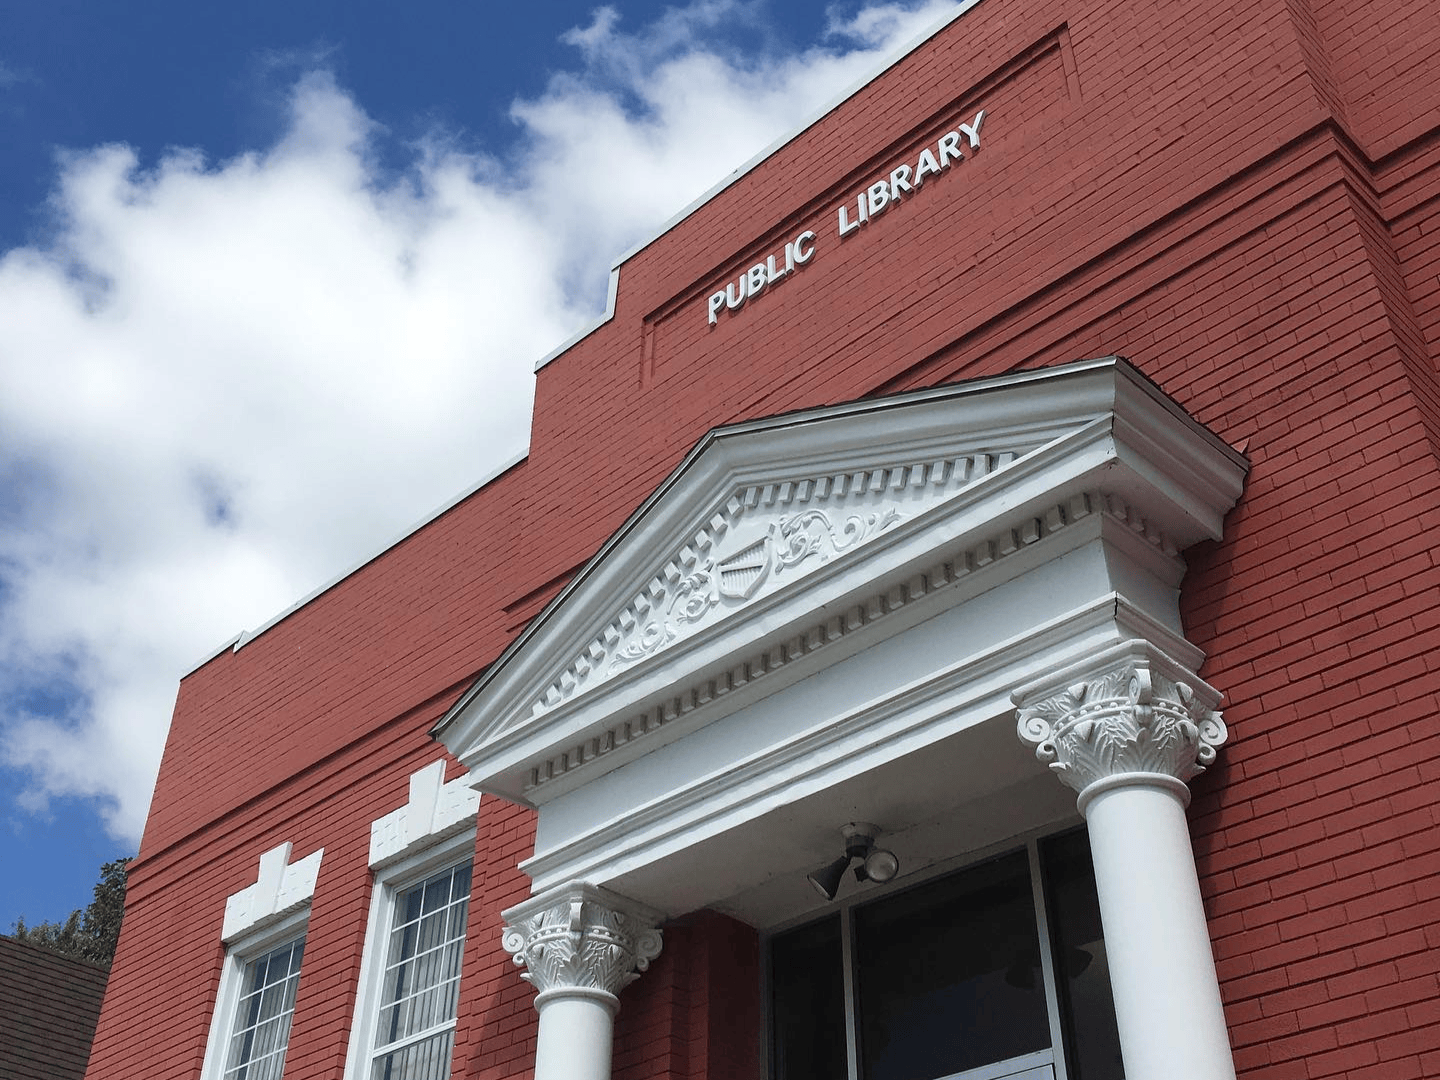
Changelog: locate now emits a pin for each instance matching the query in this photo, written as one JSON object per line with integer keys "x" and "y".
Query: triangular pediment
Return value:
{"x": 775, "y": 539}
{"x": 758, "y": 539}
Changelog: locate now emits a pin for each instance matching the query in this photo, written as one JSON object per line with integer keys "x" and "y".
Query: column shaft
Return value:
{"x": 1162, "y": 970}
{"x": 575, "y": 1038}
{"x": 1127, "y": 728}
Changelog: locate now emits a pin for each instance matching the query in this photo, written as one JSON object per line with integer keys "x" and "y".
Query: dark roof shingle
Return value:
{"x": 50, "y": 1004}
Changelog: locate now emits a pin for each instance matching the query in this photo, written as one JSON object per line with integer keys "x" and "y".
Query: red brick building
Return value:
{"x": 792, "y": 559}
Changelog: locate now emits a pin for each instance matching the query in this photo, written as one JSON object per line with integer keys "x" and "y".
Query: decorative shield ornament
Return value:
{"x": 744, "y": 572}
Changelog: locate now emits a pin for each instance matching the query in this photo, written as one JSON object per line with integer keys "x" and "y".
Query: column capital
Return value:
{"x": 581, "y": 939}
{"x": 1129, "y": 714}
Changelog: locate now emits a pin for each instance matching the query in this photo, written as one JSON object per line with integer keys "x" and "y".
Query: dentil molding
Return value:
{"x": 782, "y": 546}
{"x": 580, "y": 937}
{"x": 757, "y": 540}
{"x": 973, "y": 558}
{"x": 1131, "y": 711}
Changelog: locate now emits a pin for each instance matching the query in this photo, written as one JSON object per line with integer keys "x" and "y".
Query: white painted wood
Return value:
{"x": 820, "y": 617}
{"x": 389, "y": 881}
{"x": 1096, "y": 431}
{"x": 247, "y": 947}
{"x": 1162, "y": 970}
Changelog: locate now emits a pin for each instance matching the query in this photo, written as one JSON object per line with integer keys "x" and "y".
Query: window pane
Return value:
{"x": 421, "y": 984}
{"x": 1087, "y": 1009}
{"x": 949, "y": 975}
{"x": 428, "y": 1059}
{"x": 262, "y": 1019}
{"x": 807, "y": 1003}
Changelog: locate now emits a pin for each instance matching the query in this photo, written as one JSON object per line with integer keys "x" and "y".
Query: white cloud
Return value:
{"x": 223, "y": 382}
{"x": 11, "y": 75}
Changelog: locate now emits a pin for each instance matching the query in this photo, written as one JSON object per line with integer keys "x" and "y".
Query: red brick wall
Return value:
{"x": 699, "y": 1017}
{"x": 1243, "y": 198}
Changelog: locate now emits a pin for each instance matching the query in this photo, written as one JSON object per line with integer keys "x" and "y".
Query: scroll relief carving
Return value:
{"x": 759, "y": 540}
{"x": 788, "y": 542}
{"x": 581, "y": 943}
{"x": 1130, "y": 719}
{"x": 773, "y": 656}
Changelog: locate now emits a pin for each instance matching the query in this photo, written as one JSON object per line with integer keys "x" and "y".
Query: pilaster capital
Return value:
{"x": 581, "y": 938}
{"x": 1127, "y": 714}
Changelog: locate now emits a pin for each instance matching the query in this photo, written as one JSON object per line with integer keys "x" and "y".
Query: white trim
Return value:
{"x": 232, "y": 973}
{"x": 847, "y": 986}
{"x": 281, "y": 887}
{"x": 1037, "y": 1066}
{"x": 389, "y": 882}
{"x": 973, "y": 689}
{"x": 888, "y": 61}
{"x": 1097, "y": 424}
{"x": 434, "y": 811}
{"x": 1048, "y": 976}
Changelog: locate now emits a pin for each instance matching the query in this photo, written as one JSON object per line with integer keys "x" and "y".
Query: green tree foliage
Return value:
{"x": 91, "y": 934}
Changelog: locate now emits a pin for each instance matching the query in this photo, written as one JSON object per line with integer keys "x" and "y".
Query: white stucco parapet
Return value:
{"x": 280, "y": 889}
{"x": 435, "y": 811}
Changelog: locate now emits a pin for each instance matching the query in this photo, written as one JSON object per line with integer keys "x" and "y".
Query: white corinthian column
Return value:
{"x": 580, "y": 946}
{"x": 1126, "y": 729}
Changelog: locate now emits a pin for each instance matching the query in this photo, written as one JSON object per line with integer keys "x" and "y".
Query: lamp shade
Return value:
{"x": 827, "y": 879}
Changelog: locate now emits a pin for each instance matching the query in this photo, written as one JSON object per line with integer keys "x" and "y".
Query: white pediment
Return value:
{"x": 782, "y": 546}
{"x": 759, "y": 539}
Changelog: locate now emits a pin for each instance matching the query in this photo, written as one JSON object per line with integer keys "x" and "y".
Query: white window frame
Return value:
{"x": 258, "y": 918}
{"x": 390, "y": 882}
{"x": 238, "y": 957}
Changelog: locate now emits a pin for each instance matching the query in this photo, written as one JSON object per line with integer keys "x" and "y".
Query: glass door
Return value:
{"x": 995, "y": 970}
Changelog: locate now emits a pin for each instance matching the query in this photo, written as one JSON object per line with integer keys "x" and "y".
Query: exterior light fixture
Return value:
{"x": 827, "y": 879}
{"x": 878, "y": 865}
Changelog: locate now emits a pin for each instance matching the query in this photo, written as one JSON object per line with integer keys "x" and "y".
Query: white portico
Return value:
{"x": 831, "y": 616}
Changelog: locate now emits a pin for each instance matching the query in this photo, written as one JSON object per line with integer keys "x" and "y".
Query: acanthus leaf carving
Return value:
{"x": 1127, "y": 718}
{"x": 581, "y": 939}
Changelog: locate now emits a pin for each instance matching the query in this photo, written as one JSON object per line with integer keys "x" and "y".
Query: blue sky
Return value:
{"x": 273, "y": 280}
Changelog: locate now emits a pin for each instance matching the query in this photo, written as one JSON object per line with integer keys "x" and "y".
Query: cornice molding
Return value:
{"x": 1131, "y": 711}
{"x": 974, "y": 559}
{"x": 848, "y": 743}
{"x": 581, "y": 938}
{"x": 761, "y": 538}
{"x": 782, "y": 545}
